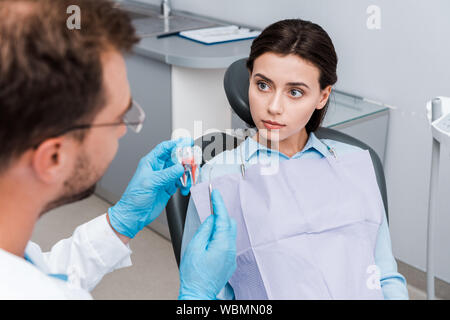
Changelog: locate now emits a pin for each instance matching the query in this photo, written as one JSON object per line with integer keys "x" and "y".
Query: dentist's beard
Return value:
{"x": 79, "y": 186}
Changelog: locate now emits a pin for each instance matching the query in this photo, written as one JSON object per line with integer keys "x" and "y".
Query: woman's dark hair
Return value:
{"x": 306, "y": 40}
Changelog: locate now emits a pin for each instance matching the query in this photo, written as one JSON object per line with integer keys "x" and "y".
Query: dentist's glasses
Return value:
{"x": 133, "y": 118}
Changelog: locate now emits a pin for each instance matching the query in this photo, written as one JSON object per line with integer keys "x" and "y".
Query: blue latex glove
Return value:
{"x": 156, "y": 179}
{"x": 210, "y": 258}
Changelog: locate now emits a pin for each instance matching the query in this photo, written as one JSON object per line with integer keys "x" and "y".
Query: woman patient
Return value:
{"x": 292, "y": 68}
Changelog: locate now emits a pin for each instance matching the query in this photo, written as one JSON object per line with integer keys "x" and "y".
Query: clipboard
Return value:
{"x": 217, "y": 35}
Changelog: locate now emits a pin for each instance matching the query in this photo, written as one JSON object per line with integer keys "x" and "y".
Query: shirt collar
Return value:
{"x": 252, "y": 146}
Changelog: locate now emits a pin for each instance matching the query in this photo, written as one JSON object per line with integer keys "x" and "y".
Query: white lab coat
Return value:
{"x": 93, "y": 251}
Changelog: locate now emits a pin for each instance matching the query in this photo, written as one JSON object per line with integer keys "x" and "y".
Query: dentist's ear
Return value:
{"x": 324, "y": 95}
{"x": 52, "y": 159}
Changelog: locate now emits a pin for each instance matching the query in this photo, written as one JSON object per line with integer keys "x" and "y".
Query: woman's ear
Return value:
{"x": 324, "y": 95}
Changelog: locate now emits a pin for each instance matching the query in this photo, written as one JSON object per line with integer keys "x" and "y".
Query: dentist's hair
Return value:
{"x": 306, "y": 40}
{"x": 51, "y": 77}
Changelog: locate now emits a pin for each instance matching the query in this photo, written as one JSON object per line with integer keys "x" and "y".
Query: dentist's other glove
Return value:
{"x": 156, "y": 179}
{"x": 210, "y": 258}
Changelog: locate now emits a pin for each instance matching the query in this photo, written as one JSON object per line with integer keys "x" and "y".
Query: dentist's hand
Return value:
{"x": 155, "y": 181}
{"x": 210, "y": 258}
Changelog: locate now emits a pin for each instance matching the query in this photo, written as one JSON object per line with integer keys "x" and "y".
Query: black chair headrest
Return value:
{"x": 236, "y": 83}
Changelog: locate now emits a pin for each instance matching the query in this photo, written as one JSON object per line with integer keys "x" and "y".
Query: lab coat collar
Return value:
{"x": 252, "y": 147}
{"x": 21, "y": 279}
{"x": 33, "y": 255}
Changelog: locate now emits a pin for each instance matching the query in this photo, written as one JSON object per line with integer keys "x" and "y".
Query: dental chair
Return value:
{"x": 236, "y": 88}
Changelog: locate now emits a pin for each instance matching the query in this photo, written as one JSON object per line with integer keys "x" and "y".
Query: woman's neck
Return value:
{"x": 288, "y": 146}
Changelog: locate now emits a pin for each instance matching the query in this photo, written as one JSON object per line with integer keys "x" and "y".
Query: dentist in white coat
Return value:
{"x": 65, "y": 102}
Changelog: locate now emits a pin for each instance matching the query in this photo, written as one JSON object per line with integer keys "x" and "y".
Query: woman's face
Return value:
{"x": 283, "y": 94}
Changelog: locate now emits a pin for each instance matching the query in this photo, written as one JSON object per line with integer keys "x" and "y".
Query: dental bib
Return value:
{"x": 307, "y": 231}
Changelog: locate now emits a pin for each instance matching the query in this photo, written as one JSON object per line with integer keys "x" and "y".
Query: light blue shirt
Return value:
{"x": 393, "y": 284}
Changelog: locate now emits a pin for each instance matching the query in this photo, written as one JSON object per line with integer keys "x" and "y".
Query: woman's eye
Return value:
{"x": 262, "y": 86}
{"x": 296, "y": 93}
